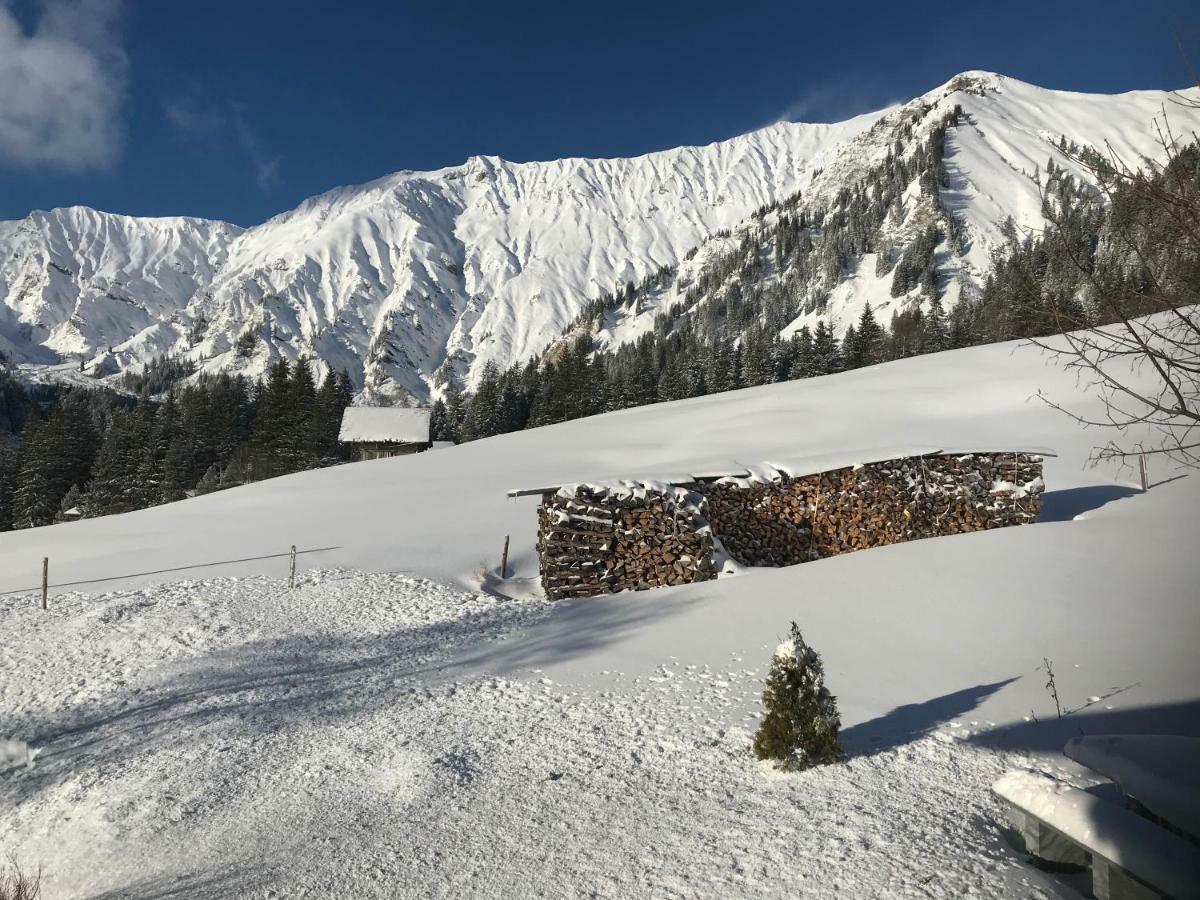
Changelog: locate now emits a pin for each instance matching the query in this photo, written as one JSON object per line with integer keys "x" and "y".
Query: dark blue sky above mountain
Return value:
{"x": 238, "y": 110}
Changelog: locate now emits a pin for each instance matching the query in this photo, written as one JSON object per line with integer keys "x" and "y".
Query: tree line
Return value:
{"x": 71, "y": 451}
{"x": 580, "y": 382}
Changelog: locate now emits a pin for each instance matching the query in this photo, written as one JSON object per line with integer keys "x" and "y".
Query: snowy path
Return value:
{"x": 232, "y": 738}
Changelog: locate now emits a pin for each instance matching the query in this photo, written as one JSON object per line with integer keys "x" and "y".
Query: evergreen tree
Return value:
{"x": 71, "y": 501}
{"x": 15, "y": 406}
{"x": 335, "y": 394}
{"x": 804, "y": 358}
{"x": 800, "y": 727}
{"x": 936, "y": 335}
{"x": 181, "y": 453}
{"x": 511, "y": 411}
{"x": 482, "y": 416}
{"x": 905, "y": 334}
{"x": 863, "y": 345}
{"x": 450, "y": 428}
{"x": 8, "y": 484}
{"x": 962, "y": 326}
{"x": 298, "y": 442}
{"x": 122, "y": 459}
{"x": 211, "y": 481}
{"x": 33, "y": 503}
{"x": 240, "y": 468}
{"x": 269, "y": 451}
{"x": 155, "y": 432}
{"x": 721, "y": 375}
{"x": 827, "y": 358}
{"x": 440, "y": 426}
{"x": 247, "y": 343}
{"x": 54, "y": 455}
{"x": 850, "y": 348}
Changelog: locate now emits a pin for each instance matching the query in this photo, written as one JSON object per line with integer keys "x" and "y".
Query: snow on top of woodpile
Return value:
{"x": 736, "y": 472}
{"x": 384, "y": 423}
{"x": 798, "y": 467}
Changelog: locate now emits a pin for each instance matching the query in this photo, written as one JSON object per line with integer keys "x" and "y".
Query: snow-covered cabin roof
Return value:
{"x": 796, "y": 467}
{"x": 398, "y": 424}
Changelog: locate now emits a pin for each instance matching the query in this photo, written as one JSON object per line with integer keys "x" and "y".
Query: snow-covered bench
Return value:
{"x": 1160, "y": 772}
{"x": 1131, "y": 857}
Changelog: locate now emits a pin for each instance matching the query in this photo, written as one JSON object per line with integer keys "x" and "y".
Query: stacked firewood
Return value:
{"x": 855, "y": 508}
{"x": 594, "y": 541}
{"x": 760, "y": 524}
{"x": 598, "y": 539}
{"x": 660, "y": 542}
{"x": 793, "y": 520}
{"x": 575, "y": 542}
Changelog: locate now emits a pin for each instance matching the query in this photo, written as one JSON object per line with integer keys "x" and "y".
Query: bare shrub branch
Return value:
{"x": 1139, "y": 349}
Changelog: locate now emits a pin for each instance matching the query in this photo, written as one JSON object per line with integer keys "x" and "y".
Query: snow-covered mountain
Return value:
{"x": 417, "y": 277}
{"x": 993, "y": 141}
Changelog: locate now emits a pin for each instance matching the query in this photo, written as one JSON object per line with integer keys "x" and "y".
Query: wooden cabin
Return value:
{"x": 376, "y": 432}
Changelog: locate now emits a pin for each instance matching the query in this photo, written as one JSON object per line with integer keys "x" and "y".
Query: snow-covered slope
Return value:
{"x": 76, "y": 281}
{"x": 420, "y": 276}
{"x": 995, "y": 158}
{"x": 381, "y": 733}
{"x": 392, "y": 279}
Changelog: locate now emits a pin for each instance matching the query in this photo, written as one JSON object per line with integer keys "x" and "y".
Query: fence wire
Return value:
{"x": 222, "y": 562}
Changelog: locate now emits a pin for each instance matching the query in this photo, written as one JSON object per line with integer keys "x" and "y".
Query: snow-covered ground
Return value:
{"x": 390, "y": 729}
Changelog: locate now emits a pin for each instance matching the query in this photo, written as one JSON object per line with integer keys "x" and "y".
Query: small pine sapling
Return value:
{"x": 800, "y": 727}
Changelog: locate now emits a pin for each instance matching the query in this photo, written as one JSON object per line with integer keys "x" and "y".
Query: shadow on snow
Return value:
{"x": 308, "y": 680}
{"x": 1049, "y": 735}
{"x": 1065, "y": 505}
{"x": 907, "y": 723}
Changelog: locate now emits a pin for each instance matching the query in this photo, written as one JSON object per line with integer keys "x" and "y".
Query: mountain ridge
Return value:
{"x": 418, "y": 278}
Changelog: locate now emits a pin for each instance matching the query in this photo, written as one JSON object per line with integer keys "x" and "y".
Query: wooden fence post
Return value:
{"x": 1144, "y": 472}
{"x": 45, "y": 579}
{"x": 292, "y": 577}
{"x": 504, "y": 559}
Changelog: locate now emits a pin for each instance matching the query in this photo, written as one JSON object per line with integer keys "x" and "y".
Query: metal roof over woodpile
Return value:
{"x": 792, "y": 467}
{"x": 384, "y": 424}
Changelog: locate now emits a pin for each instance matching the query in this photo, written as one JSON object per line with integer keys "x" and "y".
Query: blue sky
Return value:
{"x": 239, "y": 110}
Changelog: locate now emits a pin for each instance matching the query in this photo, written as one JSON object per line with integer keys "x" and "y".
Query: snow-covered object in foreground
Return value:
{"x": 1103, "y": 829}
{"x": 1160, "y": 771}
{"x": 420, "y": 276}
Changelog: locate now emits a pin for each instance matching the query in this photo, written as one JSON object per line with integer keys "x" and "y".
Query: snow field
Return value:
{"x": 375, "y": 733}
{"x": 229, "y": 737}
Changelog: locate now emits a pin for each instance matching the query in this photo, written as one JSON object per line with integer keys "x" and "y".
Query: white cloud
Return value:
{"x": 838, "y": 98}
{"x": 62, "y": 86}
{"x": 198, "y": 118}
{"x": 266, "y": 167}
{"x": 194, "y": 119}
